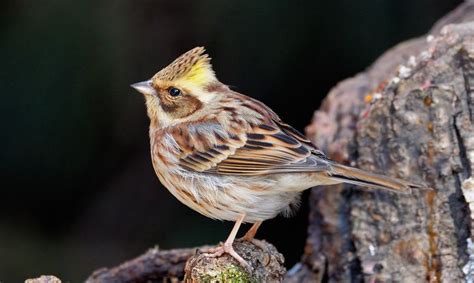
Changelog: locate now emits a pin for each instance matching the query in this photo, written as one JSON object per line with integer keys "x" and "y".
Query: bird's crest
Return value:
{"x": 193, "y": 66}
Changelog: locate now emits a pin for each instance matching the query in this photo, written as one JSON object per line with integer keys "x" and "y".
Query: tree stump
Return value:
{"x": 417, "y": 124}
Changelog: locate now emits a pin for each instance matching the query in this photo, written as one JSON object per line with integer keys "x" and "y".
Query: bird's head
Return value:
{"x": 181, "y": 89}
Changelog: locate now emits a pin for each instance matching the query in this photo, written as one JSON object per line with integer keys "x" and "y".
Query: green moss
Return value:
{"x": 231, "y": 274}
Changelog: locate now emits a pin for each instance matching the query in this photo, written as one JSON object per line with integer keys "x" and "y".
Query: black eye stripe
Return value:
{"x": 174, "y": 91}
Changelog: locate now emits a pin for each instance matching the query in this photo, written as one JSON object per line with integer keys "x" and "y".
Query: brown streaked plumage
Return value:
{"x": 229, "y": 156}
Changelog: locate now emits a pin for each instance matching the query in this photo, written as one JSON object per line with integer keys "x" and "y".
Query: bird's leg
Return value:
{"x": 227, "y": 246}
{"x": 250, "y": 236}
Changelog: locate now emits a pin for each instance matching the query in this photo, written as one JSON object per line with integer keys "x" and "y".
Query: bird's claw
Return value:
{"x": 228, "y": 249}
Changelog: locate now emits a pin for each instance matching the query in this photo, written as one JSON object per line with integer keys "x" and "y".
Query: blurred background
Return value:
{"x": 77, "y": 189}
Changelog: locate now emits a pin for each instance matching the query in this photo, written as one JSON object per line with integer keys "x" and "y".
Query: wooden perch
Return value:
{"x": 154, "y": 265}
{"x": 195, "y": 266}
{"x": 266, "y": 263}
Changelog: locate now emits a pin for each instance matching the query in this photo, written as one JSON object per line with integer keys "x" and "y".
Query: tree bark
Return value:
{"x": 154, "y": 265}
{"x": 410, "y": 115}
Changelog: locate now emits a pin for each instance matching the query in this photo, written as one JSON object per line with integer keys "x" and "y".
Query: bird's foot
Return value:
{"x": 227, "y": 249}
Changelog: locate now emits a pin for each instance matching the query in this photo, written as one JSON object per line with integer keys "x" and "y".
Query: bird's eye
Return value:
{"x": 174, "y": 91}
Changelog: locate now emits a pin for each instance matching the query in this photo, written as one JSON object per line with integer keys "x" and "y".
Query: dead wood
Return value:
{"x": 409, "y": 115}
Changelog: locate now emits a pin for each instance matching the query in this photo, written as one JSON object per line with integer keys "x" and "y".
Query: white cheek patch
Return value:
{"x": 164, "y": 118}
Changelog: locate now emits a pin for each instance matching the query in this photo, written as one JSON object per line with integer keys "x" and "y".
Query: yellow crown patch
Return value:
{"x": 193, "y": 66}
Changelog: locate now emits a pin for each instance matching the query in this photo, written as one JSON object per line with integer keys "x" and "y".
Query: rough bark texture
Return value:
{"x": 409, "y": 115}
{"x": 154, "y": 265}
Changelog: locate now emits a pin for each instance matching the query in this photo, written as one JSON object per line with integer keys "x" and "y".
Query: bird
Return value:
{"x": 229, "y": 156}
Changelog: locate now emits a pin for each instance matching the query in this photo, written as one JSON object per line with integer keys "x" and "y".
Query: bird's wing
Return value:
{"x": 267, "y": 148}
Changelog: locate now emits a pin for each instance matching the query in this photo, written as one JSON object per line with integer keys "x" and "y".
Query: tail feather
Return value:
{"x": 362, "y": 178}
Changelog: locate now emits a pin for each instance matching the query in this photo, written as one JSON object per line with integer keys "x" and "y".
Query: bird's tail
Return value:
{"x": 359, "y": 177}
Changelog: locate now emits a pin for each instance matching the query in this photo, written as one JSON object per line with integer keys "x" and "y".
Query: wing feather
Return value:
{"x": 267, "y": 148}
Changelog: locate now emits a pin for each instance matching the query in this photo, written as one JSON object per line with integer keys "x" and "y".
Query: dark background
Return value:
{"x": 77, "y": 189}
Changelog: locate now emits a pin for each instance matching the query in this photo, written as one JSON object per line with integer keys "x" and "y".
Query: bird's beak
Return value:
{"x": 144, "y": 87}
